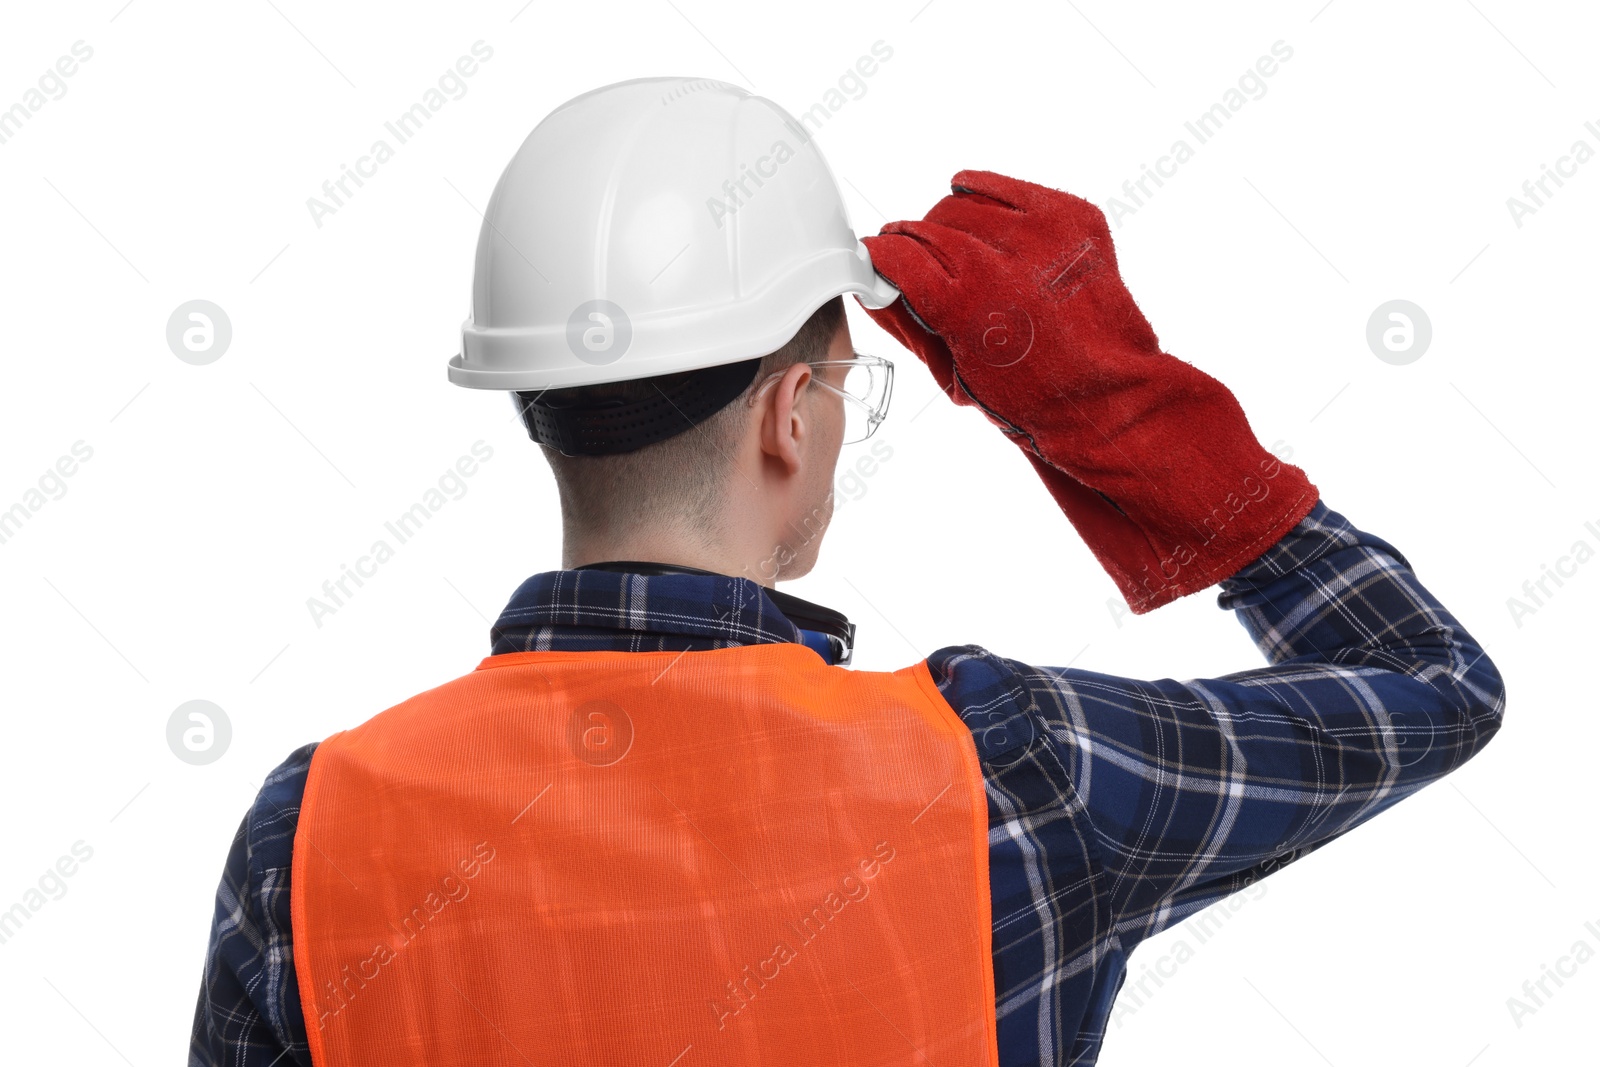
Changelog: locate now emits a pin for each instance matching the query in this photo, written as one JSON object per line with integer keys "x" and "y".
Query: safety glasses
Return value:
{"x": 868, "y": 382}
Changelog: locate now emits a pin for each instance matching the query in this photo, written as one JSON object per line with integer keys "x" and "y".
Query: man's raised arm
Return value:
{"x": 1185, "y": 791}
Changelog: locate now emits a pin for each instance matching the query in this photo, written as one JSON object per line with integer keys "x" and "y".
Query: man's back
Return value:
{"x": 1115, "y": 808}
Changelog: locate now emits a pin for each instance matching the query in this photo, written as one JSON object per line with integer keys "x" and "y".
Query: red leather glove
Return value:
{"x": 1010, "y": 294}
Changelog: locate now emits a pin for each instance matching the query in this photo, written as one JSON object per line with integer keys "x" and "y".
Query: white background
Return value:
{"x": 219, "y": 498}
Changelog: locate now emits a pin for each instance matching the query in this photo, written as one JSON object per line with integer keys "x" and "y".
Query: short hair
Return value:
{"x": 680, "y": 478}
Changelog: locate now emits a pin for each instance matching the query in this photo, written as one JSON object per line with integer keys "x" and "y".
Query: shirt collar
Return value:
{"x": 672, "y": 607}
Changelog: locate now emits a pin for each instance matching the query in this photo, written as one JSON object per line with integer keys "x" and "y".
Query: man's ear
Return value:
{"x": 785, "y": 418}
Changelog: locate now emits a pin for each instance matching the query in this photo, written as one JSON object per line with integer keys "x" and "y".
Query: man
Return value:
{"x": 662, "y": 822}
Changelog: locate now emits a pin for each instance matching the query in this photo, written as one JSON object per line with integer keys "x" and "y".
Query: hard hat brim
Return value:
{"x": 541, "y": 358}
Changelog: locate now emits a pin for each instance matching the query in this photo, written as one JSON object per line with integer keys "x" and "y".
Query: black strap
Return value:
{"x": 565, "y": 420}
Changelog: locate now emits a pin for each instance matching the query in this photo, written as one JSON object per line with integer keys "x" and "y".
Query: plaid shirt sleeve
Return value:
{"x": 1374, "y": 691}
{"x": 249, "y": 1011}
{"x": 1120, "y": 807}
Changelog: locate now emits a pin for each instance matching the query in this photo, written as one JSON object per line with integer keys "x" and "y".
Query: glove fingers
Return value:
{"x": 992, "y": 222}
{"x": 901, "y": 323}
{"x": 1019, "y": 218}
{"x": 1009, "y": 192}
{"x": 908, "y": 262}
{"x": 923, "y": 263}
{"x": 1026, "y": 197}
{"x": 957, "y": 252}
{"x": 986, "y": 217}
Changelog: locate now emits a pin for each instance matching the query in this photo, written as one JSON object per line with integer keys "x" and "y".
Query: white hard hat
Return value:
{"x": 655, "y": 226}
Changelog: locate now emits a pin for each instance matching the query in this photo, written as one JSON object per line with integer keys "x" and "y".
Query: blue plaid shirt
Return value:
{"x": 1117, "y": 807}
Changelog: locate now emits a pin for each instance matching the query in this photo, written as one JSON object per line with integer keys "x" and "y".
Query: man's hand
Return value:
{"x": 1010, "y": 294}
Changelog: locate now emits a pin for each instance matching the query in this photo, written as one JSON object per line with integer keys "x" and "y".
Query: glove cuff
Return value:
{"x": 1157, "y": 551}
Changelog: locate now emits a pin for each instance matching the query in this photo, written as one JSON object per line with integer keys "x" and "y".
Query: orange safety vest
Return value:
{"x": 734, "y": 856}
